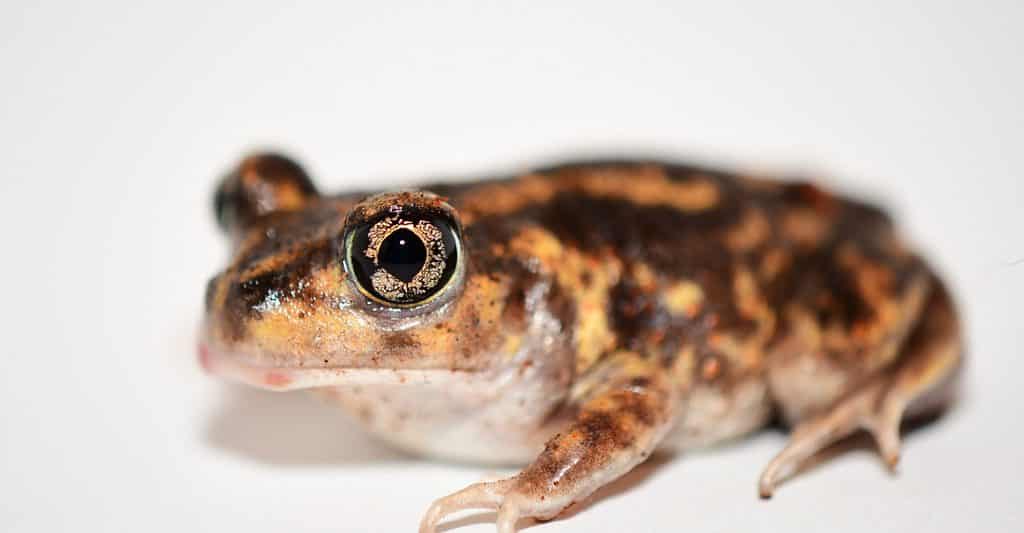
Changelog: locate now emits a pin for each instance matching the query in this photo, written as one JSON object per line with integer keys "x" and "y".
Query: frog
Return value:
{"x": 573, "y": 319}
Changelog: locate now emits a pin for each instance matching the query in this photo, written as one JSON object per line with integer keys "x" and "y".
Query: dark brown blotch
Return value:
{"x": 246, "y": 297}
{"x": 399, "y": 342}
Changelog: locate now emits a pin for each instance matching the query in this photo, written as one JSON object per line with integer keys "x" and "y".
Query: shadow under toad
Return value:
{"x": 296, "y": 429}
{"x": 291, "y": 429}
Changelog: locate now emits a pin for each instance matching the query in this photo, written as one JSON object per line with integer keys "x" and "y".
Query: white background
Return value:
{"x": 115, "y": 120}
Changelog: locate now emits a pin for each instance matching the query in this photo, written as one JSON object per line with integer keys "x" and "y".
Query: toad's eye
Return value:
{"x": 402, "y": 250}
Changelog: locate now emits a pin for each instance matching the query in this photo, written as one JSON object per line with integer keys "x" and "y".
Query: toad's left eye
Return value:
{"x": 402, "y": 250}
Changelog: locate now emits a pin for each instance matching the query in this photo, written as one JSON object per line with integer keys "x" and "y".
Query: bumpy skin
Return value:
{"x": 604, "y": 309}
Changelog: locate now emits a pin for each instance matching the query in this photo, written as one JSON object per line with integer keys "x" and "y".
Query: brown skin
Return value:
{"x": 656, "y": 286}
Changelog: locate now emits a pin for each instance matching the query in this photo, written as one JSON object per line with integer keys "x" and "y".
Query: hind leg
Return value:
{"x": 914, "y": 385}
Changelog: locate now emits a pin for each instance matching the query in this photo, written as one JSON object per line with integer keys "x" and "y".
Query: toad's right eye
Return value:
{"x": 404, "y": 255}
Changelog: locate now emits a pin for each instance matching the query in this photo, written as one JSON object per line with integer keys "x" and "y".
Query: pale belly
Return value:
{"x": 508, "y": 422}
{"x": 449, "y": 424}
{"x": 713, "y": 414}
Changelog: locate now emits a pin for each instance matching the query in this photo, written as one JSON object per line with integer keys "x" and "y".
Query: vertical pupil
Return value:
{"x": 402, "y": 254}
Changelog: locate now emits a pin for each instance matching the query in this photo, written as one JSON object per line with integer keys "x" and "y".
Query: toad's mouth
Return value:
{"x": 236, "y": 367}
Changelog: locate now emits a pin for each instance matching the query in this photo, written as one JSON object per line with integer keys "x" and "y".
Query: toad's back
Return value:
{"x": 709, "y": 273}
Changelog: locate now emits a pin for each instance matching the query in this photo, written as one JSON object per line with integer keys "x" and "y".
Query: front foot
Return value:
{"x": 508, "y": 496}
{"x": 617, "y": 424}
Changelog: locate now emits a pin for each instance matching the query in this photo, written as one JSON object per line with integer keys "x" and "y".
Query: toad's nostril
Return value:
{"x": 205, "y": 360}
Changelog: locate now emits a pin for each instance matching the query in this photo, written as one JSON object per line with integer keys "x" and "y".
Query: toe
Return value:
{"x": 477, "y": 496}
{"x": 507, "y": 518}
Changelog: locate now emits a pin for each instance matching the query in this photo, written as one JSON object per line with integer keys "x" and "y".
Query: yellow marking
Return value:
{"x": 292, "y": 330}
{"x": 269, "y": 196}
{"x": 683, "y": 298}
{"x": 283, "y": 196}
{"x": 292, "y": 326}
{"x": 504, "y": 198}
{"x": 478, "y": 294}
{"x": 622, "y": 365}
{"x": 631, "y": 364}
{"x": 321, "y": 330}
{"x": 893, "y": 315}
{"x": 773, "y": 262}
{"x": 645, "y": 185}
{"x": 682, "y": 367}
{"x": 648, "y": 185}
{"x": 536, "y": 242}
{"x": 328, "y": 280}
{"x": 752, "y": 230}
{"x": 220, "y": 295}
{"x": 804, "y": 329}
{"x": 874, "y": 283}
{"x": 749, "y": 300}
{"x": 835, "y": 338}
{"x": 593, "y": 334}
{"x": 512, "y": 344}
{"x": 805, "y": 226}
{"x": 740, "y": 354}
{"x": 644, "y": 276}
{"x": 710, "y": 368}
